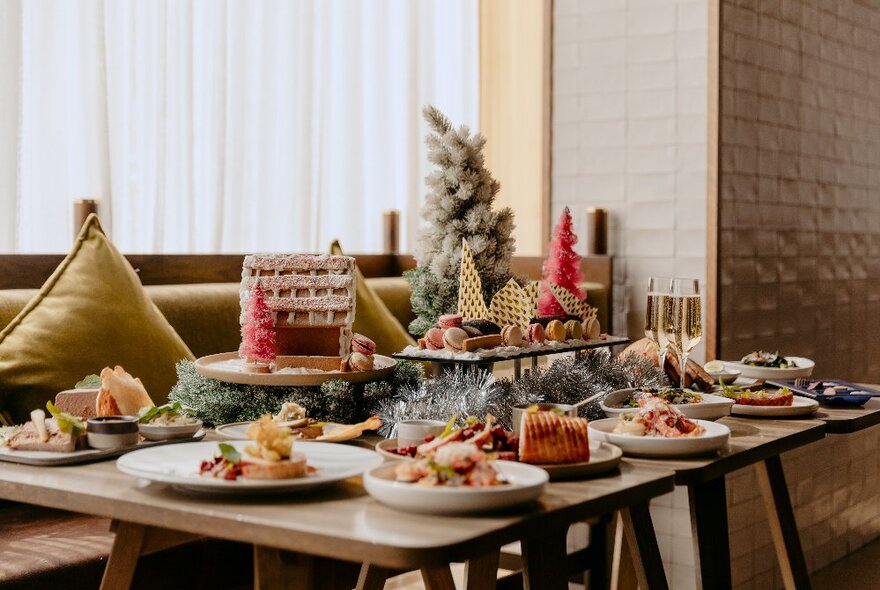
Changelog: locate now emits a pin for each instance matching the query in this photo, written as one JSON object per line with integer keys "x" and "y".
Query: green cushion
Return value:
{"x": 91, "y": 313}
{"x": 372, "y": 317}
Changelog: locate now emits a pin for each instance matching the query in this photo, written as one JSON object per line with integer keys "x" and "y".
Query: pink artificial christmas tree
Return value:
{"x": 258, "y": 330}
{"x": 562, "y": 268}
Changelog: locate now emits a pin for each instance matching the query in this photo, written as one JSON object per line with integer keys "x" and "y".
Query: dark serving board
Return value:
{"x": 609, "y": 341}
{"x": 56, "y": 459}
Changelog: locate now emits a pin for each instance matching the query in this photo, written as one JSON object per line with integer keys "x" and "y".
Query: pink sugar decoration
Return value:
{"x": 258, "y": 330}
{"x": 562, "y": 267}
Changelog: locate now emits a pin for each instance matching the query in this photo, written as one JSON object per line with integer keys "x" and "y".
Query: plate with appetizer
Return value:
{"x": 659, "y": 429}
{"x": 703, "y": 406}
{"x": 272, "y": 460}
{"x": 832, "y": 392}
{"x": 721, "y": 372}
{"x": 768, "y": 402}
{"x": 771, "y": 365}
{"x": 167, "y": 422}
{"x": 550, "y": 440}
{"x": 295, "y": 418}
{"x": 458, "y": 478}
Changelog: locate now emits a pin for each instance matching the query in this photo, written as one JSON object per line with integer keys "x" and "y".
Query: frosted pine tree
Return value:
{"x": 458, "y": 205}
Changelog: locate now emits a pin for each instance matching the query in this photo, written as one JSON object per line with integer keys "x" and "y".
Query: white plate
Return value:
{"x": 715, "y": 437}
{"x": 526, "y": 483}
{"x": 179, "y": 465}
{"x": 603, "y": 458}
{"x": 712, "y": 407}
{"x": 800, "y": 406}
{"x": 238, "y": 430}
{"x": 163, "y": 432}
{"x": 804, "y": 368}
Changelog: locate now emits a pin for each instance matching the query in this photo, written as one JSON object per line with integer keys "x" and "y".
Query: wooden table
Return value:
{"x": 290, "y": 532}
{"x": 849, "y": 420}
{"x": 757, "y": 442}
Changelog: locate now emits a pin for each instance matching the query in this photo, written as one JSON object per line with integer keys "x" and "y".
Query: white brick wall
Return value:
{"x": 629, "y": 134}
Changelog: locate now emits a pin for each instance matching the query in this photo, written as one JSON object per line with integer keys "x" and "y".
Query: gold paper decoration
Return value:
{"x": 510, "y": 305}
{"x": 532, "y": 294}
{"x": 571, "y": 304}
{"x": 470, "y": 288}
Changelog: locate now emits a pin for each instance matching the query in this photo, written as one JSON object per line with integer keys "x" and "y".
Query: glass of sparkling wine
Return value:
{"x": 683, "y": 316}
{"x": 659, "y": 288}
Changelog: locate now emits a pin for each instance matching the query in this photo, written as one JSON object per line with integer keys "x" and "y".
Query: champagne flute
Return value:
{"x": 659, "y": 288}
{"x": 684, "y": 317}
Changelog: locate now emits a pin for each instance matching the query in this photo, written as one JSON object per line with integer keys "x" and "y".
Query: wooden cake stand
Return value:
{"x": 223, "y": 368}
{"x": 440, "y": 365}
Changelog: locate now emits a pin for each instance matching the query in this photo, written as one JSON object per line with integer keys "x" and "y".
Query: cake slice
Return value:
{"x": 548, "y": 438}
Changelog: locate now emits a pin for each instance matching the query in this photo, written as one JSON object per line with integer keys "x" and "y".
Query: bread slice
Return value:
{"x": 547, "y": 438}
{"x": 121, "y": 394}
{"x": 252, "y": 468}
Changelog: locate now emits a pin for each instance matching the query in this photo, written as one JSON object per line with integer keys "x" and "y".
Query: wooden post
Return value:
{"x": 82, "y": 208}
{"x": 391, "y": 231}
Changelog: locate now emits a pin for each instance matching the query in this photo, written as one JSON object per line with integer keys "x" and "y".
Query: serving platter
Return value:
{"x": 852, "y": 394}
{"x": 800, "y": 406}
{"x": 604, "y": 457}
{"x": 712, "y": 407}
{"x": 526, "y": 483}
{"x": 228, "y": 367}
{"x": 804, "y": 368}
{"x": 180, "y": 467}
{"x": 714, "y": 438}
{"x": 238, "y": 430}
{"x": 56, "y": 459}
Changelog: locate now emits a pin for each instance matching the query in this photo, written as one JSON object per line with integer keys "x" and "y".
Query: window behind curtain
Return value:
{"x": 225, "y": 126}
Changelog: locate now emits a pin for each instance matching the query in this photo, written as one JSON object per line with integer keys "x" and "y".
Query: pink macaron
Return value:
{"x": 449, "y": 320}
{"x": 362, "y": 344}
{"x": 536, "y": 333}
{"x": 434, "y": 339}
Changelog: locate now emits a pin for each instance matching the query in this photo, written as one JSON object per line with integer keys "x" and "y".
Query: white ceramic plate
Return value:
{"x": 179, "y": 465}
{"x": 526, "y": 483}
{"x": 804, "y": 368}
{"x": 715, "y": 437}
{"x": 160, "y": 432}
{"x": 800, "y": 406}
{"x": 712, "y": 407}
{"x": 238, "y": 430}
{"x": 603, "y": 458}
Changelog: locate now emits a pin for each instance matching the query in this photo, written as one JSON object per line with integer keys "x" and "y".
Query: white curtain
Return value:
{"x": 210, "y": 125}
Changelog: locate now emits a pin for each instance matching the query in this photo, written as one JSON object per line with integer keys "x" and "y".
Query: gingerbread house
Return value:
{"x": 312, "y": 298}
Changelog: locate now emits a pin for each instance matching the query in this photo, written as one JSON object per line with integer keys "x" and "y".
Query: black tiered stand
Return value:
{"x": 440, "y": 366}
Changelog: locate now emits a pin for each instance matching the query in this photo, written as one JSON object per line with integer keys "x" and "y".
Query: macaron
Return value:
{"x": 574, "y": 330}
{"x": 434, "y": 339}
{"x": 592, "y": 329}
{"x": 449, "y": 320}
{"x": 511, "y": 335}
{"x": 360, "y": 362}
{"x": 362, "y": 344}
{"x": 453, "y": 339}
{"x": 535, "y": 333}
{"x": 484, "y": 326}
{"x": 555, "y": 331}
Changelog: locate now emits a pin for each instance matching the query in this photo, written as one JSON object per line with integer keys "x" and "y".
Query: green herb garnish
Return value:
{"x": 450, "y": 426}
{"x": 230, "y": 453}
{"x": 148, "y": 414}
{"x": 89, "y": 382}
{"x": 67, "y": 423}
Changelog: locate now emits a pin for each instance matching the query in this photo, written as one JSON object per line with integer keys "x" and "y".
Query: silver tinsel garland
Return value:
{"x": 463, "y": 392}
{"x": 471, "y": 392}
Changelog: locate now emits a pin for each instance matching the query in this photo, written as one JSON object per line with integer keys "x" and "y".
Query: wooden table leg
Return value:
{"x": 544, "y": 561}
{"x": 482, "y": 572}
{"x": 711, "y": 541}
{"x": 601, "y": 547}
{"x": 124, "y": 555}
{"x": 277, "y": 569}
{"x": 438, "y": 578}
{"x": 642, "y": 542}
{"x": 372, "y": 577}
{"x": 783, "y": 528}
